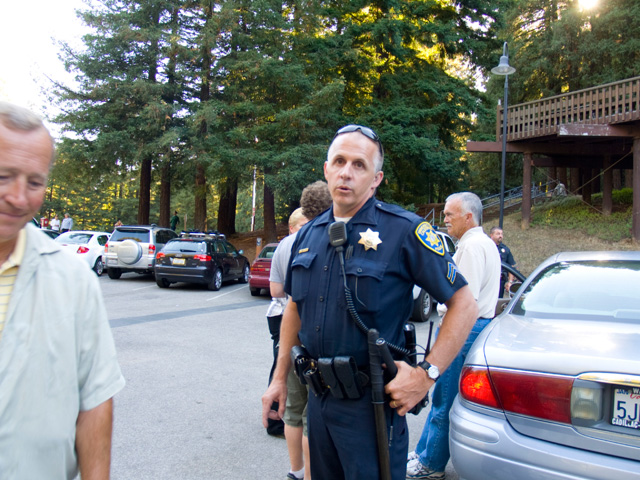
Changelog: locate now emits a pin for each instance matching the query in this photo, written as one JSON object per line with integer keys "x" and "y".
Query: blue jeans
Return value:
{"x": 433, "y": 446}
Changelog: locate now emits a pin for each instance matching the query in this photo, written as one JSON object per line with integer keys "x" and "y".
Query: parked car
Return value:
{"x": 133, "y": 248}
{"x": 422, "y": 301}
{"x": 551, "y": 387}
{"x": 260, "y": 270}
{"x": 201, "y": 258}
{"x": 87, "y": 245}
{"x": 52, "y": 233}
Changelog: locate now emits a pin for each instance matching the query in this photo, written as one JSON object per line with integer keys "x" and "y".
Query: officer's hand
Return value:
{"x": 277, "y": 392}
{"x": 408, "y": 388}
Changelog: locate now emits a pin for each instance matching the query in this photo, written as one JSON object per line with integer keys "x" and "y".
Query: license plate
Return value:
{"x": 178, "y": 261}
{"x": 112, "y": 261}
{"x": 626, "y": 407}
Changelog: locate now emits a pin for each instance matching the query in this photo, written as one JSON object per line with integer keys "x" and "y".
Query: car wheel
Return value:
{"x": 98, "y": 267}
{"x": 162, "y": 282}
{"x": 216, "y": 281}
{"x": 245, "y": 275}
{"x": 254, "y": 292}
{"x": 114, "y": 273}
{"x": 422, "y": 307}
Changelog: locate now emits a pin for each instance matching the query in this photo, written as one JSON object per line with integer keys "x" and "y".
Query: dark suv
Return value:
{"x": 133, "y": 248}
{"x": 201, "y": 258}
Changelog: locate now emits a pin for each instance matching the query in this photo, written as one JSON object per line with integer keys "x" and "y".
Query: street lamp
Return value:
{"x": 505, "y": 69}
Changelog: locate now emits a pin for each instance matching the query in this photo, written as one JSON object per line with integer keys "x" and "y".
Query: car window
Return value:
{"x": 163, "y": 236}
{"x": 230, "y": 248}
{"x": 584, "y": 289}
{"x": 137, "y": 235}
{"x": 102, "y": 240}
{"x": 74, "y": 238}
{"x": 185, "y": 246}
{"x": 451, "y": 247}
{"x": 267, "y": 252}
{"x": 220, "y": 248}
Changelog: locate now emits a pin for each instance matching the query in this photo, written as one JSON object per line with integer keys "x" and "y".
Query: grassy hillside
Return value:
{"x": 566, "y": 225}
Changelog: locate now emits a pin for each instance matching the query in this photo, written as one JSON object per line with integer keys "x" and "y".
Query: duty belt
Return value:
{"x": 339, "y": 375}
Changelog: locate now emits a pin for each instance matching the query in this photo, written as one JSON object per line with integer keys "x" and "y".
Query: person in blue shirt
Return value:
{"x": 387, "y": 251}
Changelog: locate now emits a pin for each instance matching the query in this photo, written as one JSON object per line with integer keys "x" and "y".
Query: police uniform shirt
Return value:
{"x": 505, "y": 254}
{"x": 388, "y": 251}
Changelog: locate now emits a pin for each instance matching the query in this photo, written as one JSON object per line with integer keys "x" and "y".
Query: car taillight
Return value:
{"x": 82, "y": 249}
{"x": 202, "y": 257}
{"x": 259, "y": 268}
{"x": 106, "y": 248}
{"x": 152, "y": 249}
{"x": 160, "y": 256}
{"x": 538, "y": 395}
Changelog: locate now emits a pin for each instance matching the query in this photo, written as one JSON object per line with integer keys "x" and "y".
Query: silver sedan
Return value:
{"x": 551, "y": 388}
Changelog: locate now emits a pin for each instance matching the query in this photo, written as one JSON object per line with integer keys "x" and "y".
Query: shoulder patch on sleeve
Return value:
{"x": 452, "y": 271}
{"x": 429, "y": 238}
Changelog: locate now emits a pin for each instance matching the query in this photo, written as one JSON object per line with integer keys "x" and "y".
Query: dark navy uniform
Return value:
{"x": 387, "y": 252}
{"x": 505, "y": 257}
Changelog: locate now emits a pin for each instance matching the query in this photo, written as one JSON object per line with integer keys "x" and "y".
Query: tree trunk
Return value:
{"x": 200, "y": 214}
{"x": 144, "y": 198}
{"x": 165, "y": 194}
{"x": 227, "y": 207}
{"x": 270, "y": 233}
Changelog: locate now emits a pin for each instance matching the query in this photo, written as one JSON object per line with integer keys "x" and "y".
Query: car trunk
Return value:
{"x": 594, "y": 356}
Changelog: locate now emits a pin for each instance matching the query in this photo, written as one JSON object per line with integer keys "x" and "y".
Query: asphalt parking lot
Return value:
{"x": 196, "y": 363}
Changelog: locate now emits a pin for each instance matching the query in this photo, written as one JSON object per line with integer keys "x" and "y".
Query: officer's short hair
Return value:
{"x": 494, "y": 229}
{"x": 470, "y": 203}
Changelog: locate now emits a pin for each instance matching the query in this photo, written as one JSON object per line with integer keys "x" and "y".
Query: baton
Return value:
{"x": 377, "y": 399}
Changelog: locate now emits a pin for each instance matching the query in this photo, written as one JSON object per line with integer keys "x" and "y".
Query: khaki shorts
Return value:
{"x": 295, "y": 414}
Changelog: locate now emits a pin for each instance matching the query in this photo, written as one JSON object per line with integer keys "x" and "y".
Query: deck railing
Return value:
{"x": 611, "y": 103}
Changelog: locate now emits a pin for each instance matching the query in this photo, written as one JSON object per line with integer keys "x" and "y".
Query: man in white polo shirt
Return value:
{"x": 58, "y": 367}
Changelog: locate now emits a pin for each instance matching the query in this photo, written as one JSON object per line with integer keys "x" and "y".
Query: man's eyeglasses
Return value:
{"x": 366, "y": 131}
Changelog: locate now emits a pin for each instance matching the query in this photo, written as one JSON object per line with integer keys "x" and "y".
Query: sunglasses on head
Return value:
{"x": 366, "y": 131}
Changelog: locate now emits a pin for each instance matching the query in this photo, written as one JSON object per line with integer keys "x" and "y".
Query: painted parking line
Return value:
{"x": 226, "y": 293}
{"x": 144, "y": 288}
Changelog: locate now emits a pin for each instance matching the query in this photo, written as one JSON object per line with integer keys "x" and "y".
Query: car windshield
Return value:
{"x": 596, "y": 289}
{"x": 136, "y": 235}
{"x": 267, "y": 252}
{"x": 185, "y": 246}
{"x": 74, "y": 238}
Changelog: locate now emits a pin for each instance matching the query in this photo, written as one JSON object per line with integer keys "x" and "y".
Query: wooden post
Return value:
{"x": 575, "y": 181}
{"x": 607, "y": 186}
{"x": 635, "y": 222}
{"x": 526, "y": 190}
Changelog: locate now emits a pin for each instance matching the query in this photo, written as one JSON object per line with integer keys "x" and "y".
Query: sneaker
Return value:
{"x": 291, "y": 476}
{"x": 418, "y": 470}
{"x": 412, "y": 456}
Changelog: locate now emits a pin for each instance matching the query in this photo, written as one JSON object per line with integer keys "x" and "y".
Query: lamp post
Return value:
{"x": 505, "y": 69}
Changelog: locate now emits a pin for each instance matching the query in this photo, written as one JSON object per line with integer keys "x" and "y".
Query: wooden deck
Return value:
{"x": 584, "y": 135}
{"x": 611, "y": 104}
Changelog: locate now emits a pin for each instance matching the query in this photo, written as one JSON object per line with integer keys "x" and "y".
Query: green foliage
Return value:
{"x": 571, "y": 213}
{"x": 556, "y": 46}
{"x": 623, "y": 196}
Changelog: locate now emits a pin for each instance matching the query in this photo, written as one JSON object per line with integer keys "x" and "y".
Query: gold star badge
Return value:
{"x": 370, "y": 239}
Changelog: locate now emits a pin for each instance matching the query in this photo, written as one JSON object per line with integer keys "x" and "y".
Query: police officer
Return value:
{"x": 506, "y": 256}
{"x": 387, "y": 251}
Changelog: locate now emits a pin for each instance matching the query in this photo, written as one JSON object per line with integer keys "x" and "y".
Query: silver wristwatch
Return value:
{"x": 433, "y": 372}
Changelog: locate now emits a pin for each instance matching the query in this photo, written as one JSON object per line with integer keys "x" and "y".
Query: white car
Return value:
{"x": 87, "y": 245}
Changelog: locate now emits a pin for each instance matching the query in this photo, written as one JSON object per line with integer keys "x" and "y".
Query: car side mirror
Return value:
{"x": 513, "y": 288}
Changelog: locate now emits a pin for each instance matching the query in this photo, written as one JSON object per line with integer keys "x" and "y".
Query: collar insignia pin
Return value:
{"x": 370, "y": 239}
